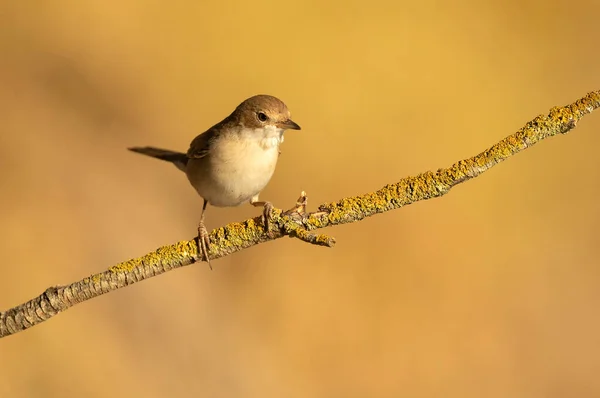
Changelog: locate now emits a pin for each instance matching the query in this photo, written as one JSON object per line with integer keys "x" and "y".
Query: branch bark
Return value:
{"x": 295, "y": 222}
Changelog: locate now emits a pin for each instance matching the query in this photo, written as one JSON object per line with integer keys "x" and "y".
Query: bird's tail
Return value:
{"x": 177, "y": 158}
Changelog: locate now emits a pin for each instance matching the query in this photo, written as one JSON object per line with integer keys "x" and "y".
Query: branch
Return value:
{"x": 295, "y": 222}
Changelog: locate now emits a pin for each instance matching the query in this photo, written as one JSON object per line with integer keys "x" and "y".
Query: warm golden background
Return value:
{"x": 491, "y": 291}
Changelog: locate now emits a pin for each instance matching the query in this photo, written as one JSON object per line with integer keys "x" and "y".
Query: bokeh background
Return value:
{"x": 490, "y": 291}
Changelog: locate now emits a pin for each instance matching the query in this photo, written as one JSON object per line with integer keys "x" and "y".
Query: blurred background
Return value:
{"x": 489, "y": 291}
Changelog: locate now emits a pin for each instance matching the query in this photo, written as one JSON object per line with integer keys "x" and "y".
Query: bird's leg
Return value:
{"x": 267, "y": 209}
{"x": 203, "y": 238}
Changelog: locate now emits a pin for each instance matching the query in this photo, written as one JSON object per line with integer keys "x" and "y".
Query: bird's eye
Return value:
{"x": 262, "y": 116}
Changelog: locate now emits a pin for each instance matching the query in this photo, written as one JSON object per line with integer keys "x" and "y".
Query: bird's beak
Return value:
{"x": 288, "y": 124}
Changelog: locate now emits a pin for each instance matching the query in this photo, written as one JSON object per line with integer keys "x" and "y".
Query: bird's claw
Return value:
{"x": 204, "y": 242}
{"x": 266, "y": 216}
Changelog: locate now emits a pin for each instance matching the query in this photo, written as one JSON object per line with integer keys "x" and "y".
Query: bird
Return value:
{"x": 232, "y": 162}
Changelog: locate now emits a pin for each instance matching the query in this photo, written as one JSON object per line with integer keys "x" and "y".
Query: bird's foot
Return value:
{"x": 204, "y": 242}
{"x": 266, "y": 216}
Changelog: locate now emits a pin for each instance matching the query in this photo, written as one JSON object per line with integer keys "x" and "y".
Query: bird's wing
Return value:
{"x": 201, "y": 144}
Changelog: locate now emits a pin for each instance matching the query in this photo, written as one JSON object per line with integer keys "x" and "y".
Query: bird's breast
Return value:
{"x": 235, "y": 170}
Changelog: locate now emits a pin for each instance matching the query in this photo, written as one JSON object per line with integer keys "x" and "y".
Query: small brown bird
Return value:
{"x": 233, "y": 161}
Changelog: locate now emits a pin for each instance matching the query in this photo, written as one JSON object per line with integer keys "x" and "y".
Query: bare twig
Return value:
{"x": 296, "y": 222}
